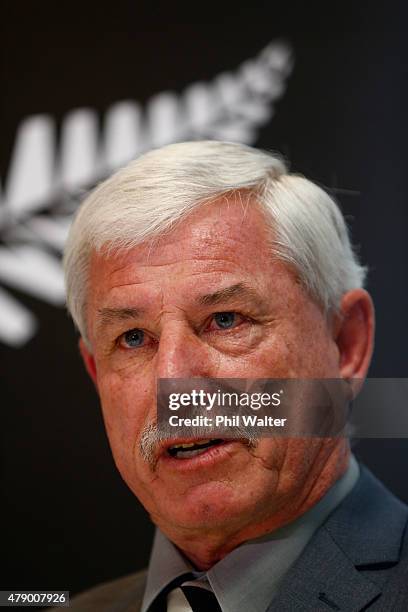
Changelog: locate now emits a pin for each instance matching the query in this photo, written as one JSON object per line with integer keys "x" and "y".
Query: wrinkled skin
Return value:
{"x": 281, "y": 333}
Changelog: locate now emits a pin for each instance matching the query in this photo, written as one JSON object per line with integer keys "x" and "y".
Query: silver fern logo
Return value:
{"x": 46, "y": 179}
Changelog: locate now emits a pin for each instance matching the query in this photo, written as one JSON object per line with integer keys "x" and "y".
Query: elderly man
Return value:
{"x": 207, "y": 259}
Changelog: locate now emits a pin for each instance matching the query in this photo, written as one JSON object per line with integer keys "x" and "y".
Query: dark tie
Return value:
{"x": 201, "y": 600}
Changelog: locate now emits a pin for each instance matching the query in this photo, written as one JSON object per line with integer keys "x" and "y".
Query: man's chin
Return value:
{"x": 208, "y": 506}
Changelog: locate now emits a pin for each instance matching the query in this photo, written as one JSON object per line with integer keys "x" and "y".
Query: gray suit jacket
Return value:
{"x": 357, "y": 560}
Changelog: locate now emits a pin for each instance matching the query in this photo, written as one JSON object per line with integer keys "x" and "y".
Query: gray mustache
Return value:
{"x": 152, "y": 438}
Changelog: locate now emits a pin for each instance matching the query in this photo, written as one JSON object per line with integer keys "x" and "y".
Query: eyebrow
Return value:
{"x": 239, "y": 290}
{"x": 107, "y": 316}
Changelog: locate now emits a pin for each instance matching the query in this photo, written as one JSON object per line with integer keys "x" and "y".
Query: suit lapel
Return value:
{"x": 333, "y": 572}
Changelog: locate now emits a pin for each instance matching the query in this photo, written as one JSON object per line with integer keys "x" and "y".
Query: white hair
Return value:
{"x": 159, "y": 189}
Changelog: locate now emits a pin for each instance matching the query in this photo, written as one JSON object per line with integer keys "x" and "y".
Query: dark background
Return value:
{"x": 68, "y": 521}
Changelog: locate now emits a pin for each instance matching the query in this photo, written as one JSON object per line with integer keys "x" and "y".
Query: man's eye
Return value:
{"x": 133, "y": 338}
{"x": 226, "y": 320}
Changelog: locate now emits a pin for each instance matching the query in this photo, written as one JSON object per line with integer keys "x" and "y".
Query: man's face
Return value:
{"x": 171, "y": 294}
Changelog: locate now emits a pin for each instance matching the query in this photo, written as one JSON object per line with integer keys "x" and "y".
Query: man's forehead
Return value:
{"x": 220, "y": 231}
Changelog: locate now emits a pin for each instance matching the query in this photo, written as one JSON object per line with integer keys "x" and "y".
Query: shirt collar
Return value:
{"x": 263, "y": 561}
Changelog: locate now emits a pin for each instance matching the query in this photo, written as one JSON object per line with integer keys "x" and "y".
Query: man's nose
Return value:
{"x": 181, "y": 354}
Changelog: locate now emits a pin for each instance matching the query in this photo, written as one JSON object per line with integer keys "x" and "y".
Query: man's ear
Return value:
{"x": 89, "y": 361}
{"x": 355, "y": 334}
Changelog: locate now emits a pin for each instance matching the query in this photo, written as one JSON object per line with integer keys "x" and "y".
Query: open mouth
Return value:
{"x": 191, "y": 449}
